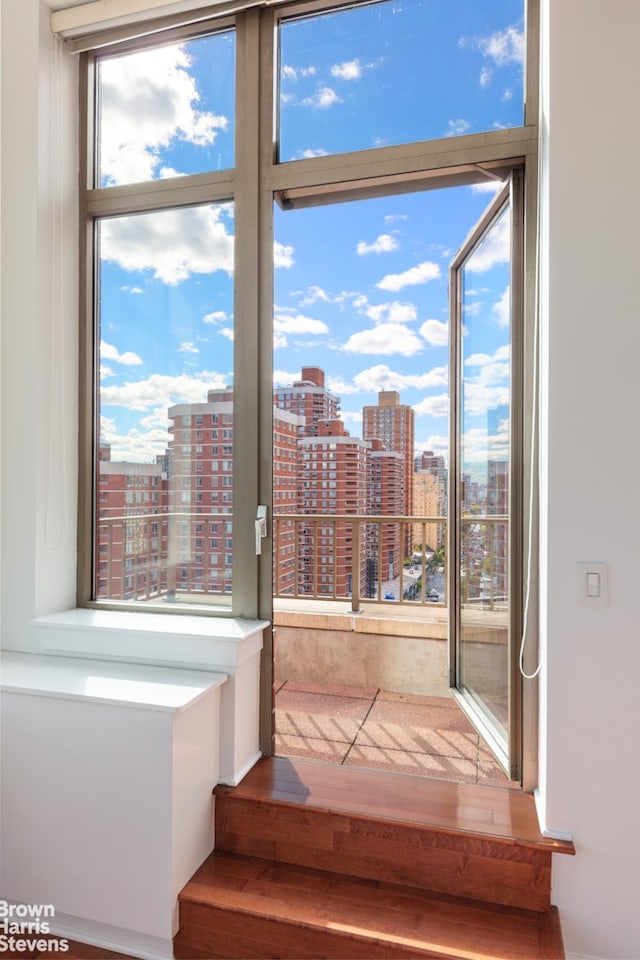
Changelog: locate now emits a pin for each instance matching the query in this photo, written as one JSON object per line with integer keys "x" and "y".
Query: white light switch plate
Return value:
{"x": 593, "y": 584}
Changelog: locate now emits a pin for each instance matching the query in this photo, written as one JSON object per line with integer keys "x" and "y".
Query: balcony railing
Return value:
{"x": 353, "y": 558}
{"x": 357, "y": 558}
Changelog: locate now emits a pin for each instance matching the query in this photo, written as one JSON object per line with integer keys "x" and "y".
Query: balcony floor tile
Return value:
{"x": 418, "y": 764}
{"x": 364, "y": 727}
{"x": 319, "y": 716}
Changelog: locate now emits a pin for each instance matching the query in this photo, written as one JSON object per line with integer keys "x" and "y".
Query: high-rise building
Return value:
{"x": 287, "y": 428}
{"x": 383, "y": 554}
{"x": 332, "y": 480}
{"x": 497, "y": 537}
{"x": 428, "y": 462}
{"x": 393, "y": 423}
{"x": 428, "y": 498}
{"x": 132, "y": 544}
{"x": 201, "y": 493}
{"x": 308, "y": 398}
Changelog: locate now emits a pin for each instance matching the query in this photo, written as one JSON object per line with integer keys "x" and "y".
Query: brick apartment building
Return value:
{"x": 318, "y": 470}
{"x": 393, "y": 423}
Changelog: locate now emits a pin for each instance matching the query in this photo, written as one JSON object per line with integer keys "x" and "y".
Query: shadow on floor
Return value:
{"x": 367, "y": 727}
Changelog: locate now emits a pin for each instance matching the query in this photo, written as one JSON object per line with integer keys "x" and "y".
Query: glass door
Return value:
{"x": 484, "y": 624}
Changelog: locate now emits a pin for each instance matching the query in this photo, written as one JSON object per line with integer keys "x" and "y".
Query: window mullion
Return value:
{"x": 246, "y": 298}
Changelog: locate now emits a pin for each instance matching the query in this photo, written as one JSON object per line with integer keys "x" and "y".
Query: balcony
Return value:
{"x": 361, "y": 661}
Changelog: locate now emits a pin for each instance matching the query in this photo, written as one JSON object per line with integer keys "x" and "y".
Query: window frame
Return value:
{"x": 253, "y": 184}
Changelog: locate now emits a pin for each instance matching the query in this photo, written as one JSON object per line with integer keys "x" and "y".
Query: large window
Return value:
{"x": 206, "y": 143}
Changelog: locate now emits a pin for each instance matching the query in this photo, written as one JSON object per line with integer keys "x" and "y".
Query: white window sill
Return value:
{"x": 163, "y": 639}
{"x": 134, "y": 685}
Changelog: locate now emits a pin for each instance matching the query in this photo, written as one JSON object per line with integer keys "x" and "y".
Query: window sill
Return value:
{"x": 190, "y": 642}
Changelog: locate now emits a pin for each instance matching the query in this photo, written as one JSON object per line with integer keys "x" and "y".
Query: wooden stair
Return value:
{"x": 318, "y": 861}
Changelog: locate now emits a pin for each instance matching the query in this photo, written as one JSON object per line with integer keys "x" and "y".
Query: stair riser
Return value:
{"x": 488, "y": 870}
{"x": 239, "y": 936}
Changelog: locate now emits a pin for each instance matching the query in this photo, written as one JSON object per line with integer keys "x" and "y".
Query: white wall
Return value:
{"x": 591, "y": 458}
{"x": 590, "y": 775}
{"x": 39, "y": 332}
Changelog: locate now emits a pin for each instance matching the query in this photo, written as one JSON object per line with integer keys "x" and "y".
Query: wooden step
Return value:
{"x": 319, "y": 861}
{"x": 464, "y": 840}
{"x": 247, "y": 907}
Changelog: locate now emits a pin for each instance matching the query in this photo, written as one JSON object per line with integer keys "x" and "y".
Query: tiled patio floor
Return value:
{"x": 366, "y": 727}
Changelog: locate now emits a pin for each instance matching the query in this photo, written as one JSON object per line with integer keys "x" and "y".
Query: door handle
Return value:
{"x": 261, "y": 527}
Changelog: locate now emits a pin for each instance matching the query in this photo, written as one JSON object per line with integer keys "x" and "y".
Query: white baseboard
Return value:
{"x": 104, "y": 935}
{"x": 234, "y": 779}
{"x": 582, "y": 956}
{"x": 554, "y": 833}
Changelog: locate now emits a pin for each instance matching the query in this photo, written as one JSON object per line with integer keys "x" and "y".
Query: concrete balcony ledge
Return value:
{"x": 380, "y": 619}
{"x": 387, "y": 647}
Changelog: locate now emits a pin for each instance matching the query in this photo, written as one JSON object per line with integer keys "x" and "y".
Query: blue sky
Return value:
{"x": 361, "y": 289}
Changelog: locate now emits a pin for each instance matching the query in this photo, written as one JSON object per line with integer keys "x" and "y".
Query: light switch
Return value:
{"x": 593, "y": 584}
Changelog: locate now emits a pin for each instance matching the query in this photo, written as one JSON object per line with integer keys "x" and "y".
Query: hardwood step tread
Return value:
{"x": 269, "y": 906}
{"x": 482, "y": 810}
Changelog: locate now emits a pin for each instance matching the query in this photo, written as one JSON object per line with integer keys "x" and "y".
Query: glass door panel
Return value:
{"x": 483, "y": 285}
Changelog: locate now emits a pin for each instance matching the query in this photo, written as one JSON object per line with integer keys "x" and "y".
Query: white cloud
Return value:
{"x": 382, "y": 244}
{"x": 160, "y": 390}
{"x": 482, "y": 359}
{"x": 495, "y": 248}
{"x": 172, "y": 243}
{"x": 381, "y": 377}
{"x": 504, "y": 46}
{"x": 158, "y": 84}
{"x": 128, "y": 289}
{"x": 284, "y": 324}
{"x": 485, "y": 77}
{"x": 479, "y": 446}
{"x": 218, "y": 316}
{"x": 354, "y": 417}
{"x": 323, "y": 97}
{"x": 502, "y": 309}
{"x": 315, "y": 293}
{"x": 421, "y": 273}
{"x": 394, "y": 312}
{"x": 290, "y": 73}
{"x": 109, "y": 352}
{"x": 437, "y": 443}
{"x": 156, "y": 420}
{"x": 227, "y": 332}
{"x": 188, "y": 347}
{"x": 310, "y": 153}
{"x": 106, "y": 371}
{"x": 166, "y": 173}
{"x": 487, "y": 388}
{"x": 282, "y": 378}
{"x": 487, "y": 186}
{"x": 435, "y": 333}
{"x": 282, "y": 255}
{"x": 456, "y": 128}
{"x": 437, "y": 406}
{"x": 386, "y": 338}
{"x": 135, "y": 446}
{"x": 349, "y": 70}
{"x": 340, "y": 387}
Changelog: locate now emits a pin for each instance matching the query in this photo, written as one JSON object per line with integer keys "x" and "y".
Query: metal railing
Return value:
{"x": 357, "y": 558}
